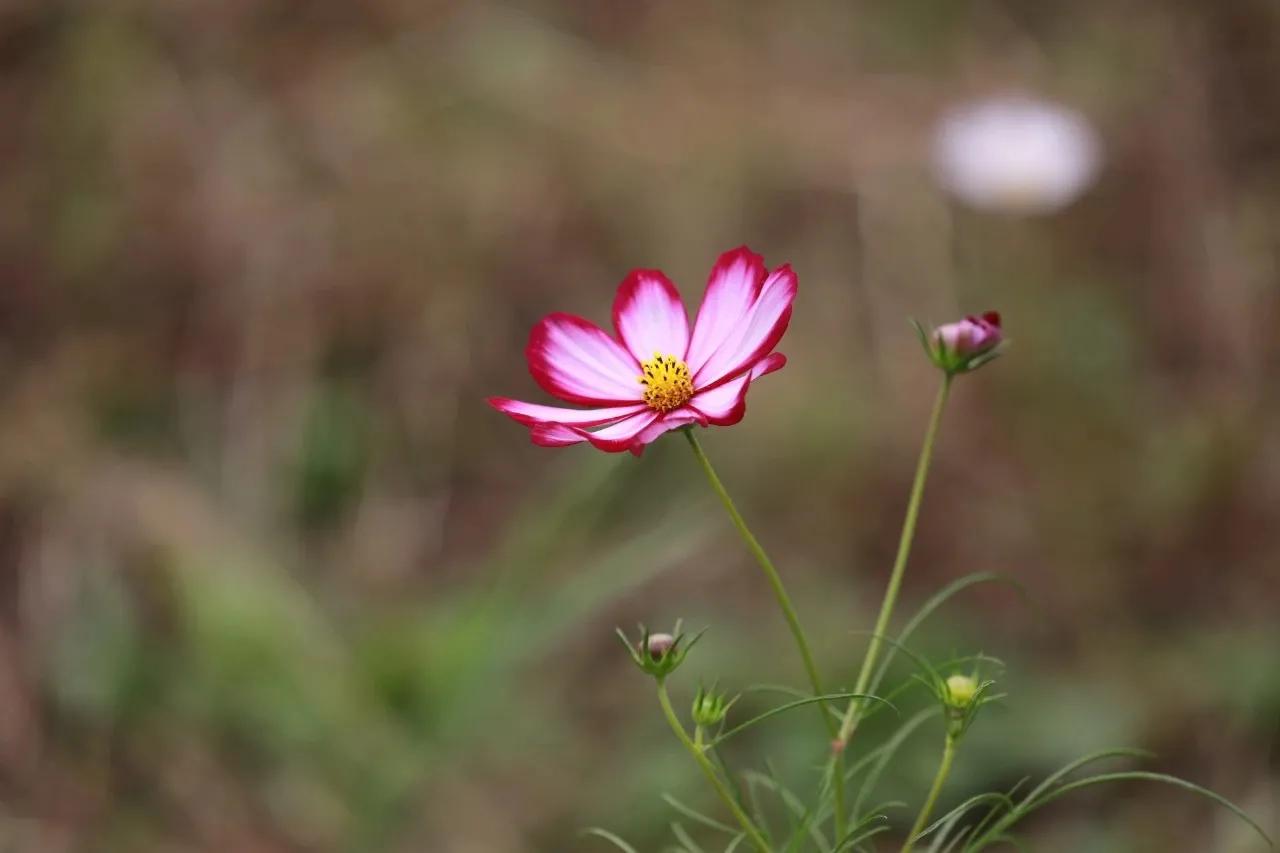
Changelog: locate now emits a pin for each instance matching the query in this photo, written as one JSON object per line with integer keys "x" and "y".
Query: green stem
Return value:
{"x": 775, "y": 580}
{"x": 944, "y": 768}
{"x": 900, "y": 564}
{"x": 709, "y": 770}
{"x": 784, "y": 602}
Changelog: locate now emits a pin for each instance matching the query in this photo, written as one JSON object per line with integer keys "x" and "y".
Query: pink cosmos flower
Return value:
{"x": 657, "y": 374}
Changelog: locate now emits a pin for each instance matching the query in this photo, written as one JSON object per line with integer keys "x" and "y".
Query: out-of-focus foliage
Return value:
{"x": 272, "y": 578}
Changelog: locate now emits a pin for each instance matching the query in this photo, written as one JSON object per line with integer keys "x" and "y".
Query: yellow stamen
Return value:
{"x": 666, "y": 381}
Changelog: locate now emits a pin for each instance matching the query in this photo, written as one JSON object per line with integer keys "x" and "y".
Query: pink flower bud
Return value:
{"x": 660, "y": 644}
{"x": 970, "y": 336}
{"x": 966, "y": 344}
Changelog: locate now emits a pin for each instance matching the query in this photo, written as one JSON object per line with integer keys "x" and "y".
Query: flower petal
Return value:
{"x": 757, "y": 334}
{"x": 732, "y": 289}
{"x": 771, "y": 362}
{"x": 614, "y": 438}
{"x": 578, "y": 361}
{"x": 650, "y": 317}
{"x": 533, "y": 413}
{"x": 666, "y": 423}
{"x": 725, "y": 404}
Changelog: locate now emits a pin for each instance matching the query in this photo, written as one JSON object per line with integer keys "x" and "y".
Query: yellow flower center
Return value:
{"x": 666, "y": 382}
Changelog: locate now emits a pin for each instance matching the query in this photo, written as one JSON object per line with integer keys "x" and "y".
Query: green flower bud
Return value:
{"x": 960, "y": 690}
{"x": 710, "y": 707}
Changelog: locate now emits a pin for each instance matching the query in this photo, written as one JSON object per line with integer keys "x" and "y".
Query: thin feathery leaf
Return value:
{"x": 683, "y": 837}
{"x": 920, "y": 661}
{"x": 993, "y": 813}
{"x": 959, "y": 836}
{"x": 1071, "y": 767}
{"x": 784, "y": 689}
{"x": 1143, "y": 775}
{"x": 994, "y": 797}
{"x": 933, "y": 603}
{"x": 697, "y": 816}
{"x": 808, "y": 700}
{"x": 598, "y": 832}
{"x": 800, "y": 817}
{"x": 755, "y": 807}
{"x": 886, "y": 753}
{"x": 854, "y": 840}
{"x": 940, "y": 837}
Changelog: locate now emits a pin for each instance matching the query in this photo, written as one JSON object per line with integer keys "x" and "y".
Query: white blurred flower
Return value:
{"x": 1016, "y": 155}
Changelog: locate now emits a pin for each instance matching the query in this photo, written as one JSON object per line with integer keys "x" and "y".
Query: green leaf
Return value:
{"x": 1067, "y": 769}
{"x": 951, "y": 845}
{"x": 800, "y": 817}
{"x": 883, "y": 754}
{"x": 992, "y": 814}
{"x": 950, "y": 817}
{"x": 935, "y": 601}
{"x": 808, "y": 700}
{"x": 851, "y": 840}
{"x": 610, "y": 837}
{"x": 1149, "y": 777}
{"x": 896, "y": 644}
{"x": 1016, "y": 811}
{"x": 698, "y": 816}
{"x": 683, "y": 837}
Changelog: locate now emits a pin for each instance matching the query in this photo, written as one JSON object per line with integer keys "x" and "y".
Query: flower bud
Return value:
{"x": 659, "y": 654}
{"x": 710, "y": 707}
{"x": 965, "y": 344}
{"x": 658, "y": 645}
{"x": 960, "y": 690}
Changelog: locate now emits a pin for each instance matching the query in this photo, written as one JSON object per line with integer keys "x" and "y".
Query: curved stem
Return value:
{"x": 944, "y": 768}
{"x": 900, "y": 563}
{"x": 775, "y": 580}
{"x": 709, "y": 770}
{"x": 784, "y": 602}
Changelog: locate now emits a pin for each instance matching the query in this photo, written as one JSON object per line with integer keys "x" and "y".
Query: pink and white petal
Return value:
{"x": 763, "y": 327}
{"x": 725, "y": 404}
{"x": 671, "y": 420}
{"x": 614, "y": 438}
{"x": 533, "y": 413}
{"x": 732, "y": 289}
{"x": 649, "y": 316}
{"x": 771, "y": 362}
{"x": 577, "y": 361}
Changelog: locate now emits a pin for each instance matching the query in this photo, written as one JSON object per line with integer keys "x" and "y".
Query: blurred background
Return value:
{"x": 274, "y": 578}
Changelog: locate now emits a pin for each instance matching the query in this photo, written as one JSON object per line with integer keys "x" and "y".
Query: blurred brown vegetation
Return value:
{"x": 273, "y": 578}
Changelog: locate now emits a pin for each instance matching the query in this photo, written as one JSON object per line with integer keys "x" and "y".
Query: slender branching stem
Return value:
{"x": 709, "y": 770}
{"x": 900, "y": 563}
{"x": 775, "y": 580}
{"x": 784, "y": 602}
{"x": 944, "y": 769}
